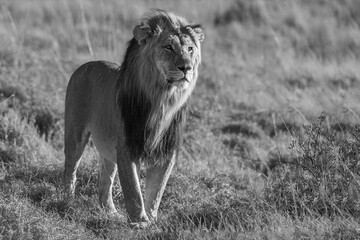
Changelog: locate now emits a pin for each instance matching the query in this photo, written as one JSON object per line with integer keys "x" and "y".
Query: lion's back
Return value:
{"x": 86, "y": 74}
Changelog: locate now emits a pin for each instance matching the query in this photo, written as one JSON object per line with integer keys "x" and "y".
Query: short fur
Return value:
{"x": 134, "y": 112}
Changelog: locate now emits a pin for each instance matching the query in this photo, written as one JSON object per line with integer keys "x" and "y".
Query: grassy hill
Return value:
{"x": 271, "y": 149}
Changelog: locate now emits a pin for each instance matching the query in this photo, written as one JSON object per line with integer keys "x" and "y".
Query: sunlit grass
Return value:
{"x": 269, "y": 67}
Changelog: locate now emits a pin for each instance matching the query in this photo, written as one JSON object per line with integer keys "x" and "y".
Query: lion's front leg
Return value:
{"x": 129, "y": 180}
{"x": 156, "y": 180}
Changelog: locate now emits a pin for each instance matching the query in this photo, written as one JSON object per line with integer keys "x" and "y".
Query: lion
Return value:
{"x": 135, "y": 112}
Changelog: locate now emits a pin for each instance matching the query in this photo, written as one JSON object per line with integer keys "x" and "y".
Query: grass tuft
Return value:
{"x": 323, "y": 180}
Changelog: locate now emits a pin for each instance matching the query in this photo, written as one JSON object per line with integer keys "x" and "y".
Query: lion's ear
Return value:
{"x": 141, "y": 33}
{"x": 199, "y": 32}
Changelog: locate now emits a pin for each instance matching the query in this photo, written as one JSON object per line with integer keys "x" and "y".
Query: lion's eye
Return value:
{"x": 190, "y": 49}
{"x": 168, "y": 47}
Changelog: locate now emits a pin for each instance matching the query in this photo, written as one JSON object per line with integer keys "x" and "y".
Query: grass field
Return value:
{"x": 271, "y": 150}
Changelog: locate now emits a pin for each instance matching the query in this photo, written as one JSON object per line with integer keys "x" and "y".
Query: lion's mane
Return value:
{"x": 153, "y": 116}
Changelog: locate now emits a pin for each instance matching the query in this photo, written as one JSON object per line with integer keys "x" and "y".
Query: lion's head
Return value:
{"x": 174, "y": 45}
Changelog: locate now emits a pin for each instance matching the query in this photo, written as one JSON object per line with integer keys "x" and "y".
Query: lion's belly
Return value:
{"x": 104, "y": 137}
{"x": 106, "y": 147}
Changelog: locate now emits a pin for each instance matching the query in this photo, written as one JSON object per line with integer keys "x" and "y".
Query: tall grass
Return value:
{"x": 256, "y": 162}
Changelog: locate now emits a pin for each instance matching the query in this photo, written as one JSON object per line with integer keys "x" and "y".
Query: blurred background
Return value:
{"x": 269, "y": 68}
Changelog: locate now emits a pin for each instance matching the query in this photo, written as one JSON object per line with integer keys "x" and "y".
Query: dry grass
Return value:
{"x": 248, "y": 169}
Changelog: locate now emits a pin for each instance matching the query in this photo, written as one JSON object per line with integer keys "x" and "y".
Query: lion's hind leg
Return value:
{"x": 75, "y": 142}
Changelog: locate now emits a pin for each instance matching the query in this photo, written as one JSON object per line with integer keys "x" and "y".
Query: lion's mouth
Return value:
{"x": 175, "y": 81}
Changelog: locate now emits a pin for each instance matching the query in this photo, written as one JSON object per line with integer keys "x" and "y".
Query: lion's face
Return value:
{"x": 176, "y": 57}
{"x": 174, "y": 46}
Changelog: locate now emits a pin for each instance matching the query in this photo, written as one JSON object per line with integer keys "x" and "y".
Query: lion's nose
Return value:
{"x": 185, "y": 68}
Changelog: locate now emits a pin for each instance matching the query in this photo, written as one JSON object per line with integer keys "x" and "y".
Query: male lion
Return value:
{"x": 135, "y": 112}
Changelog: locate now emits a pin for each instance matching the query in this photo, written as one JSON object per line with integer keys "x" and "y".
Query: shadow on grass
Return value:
{"x": 62, "y": 207}
{"x": 343, "y": 127}
{"x": 244, "y": 128}
{"x": 234, "y": 215}
{"x": 254, "y": 124}
{"x": 101, "y": 227}
{"x": 161, "y": 235}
